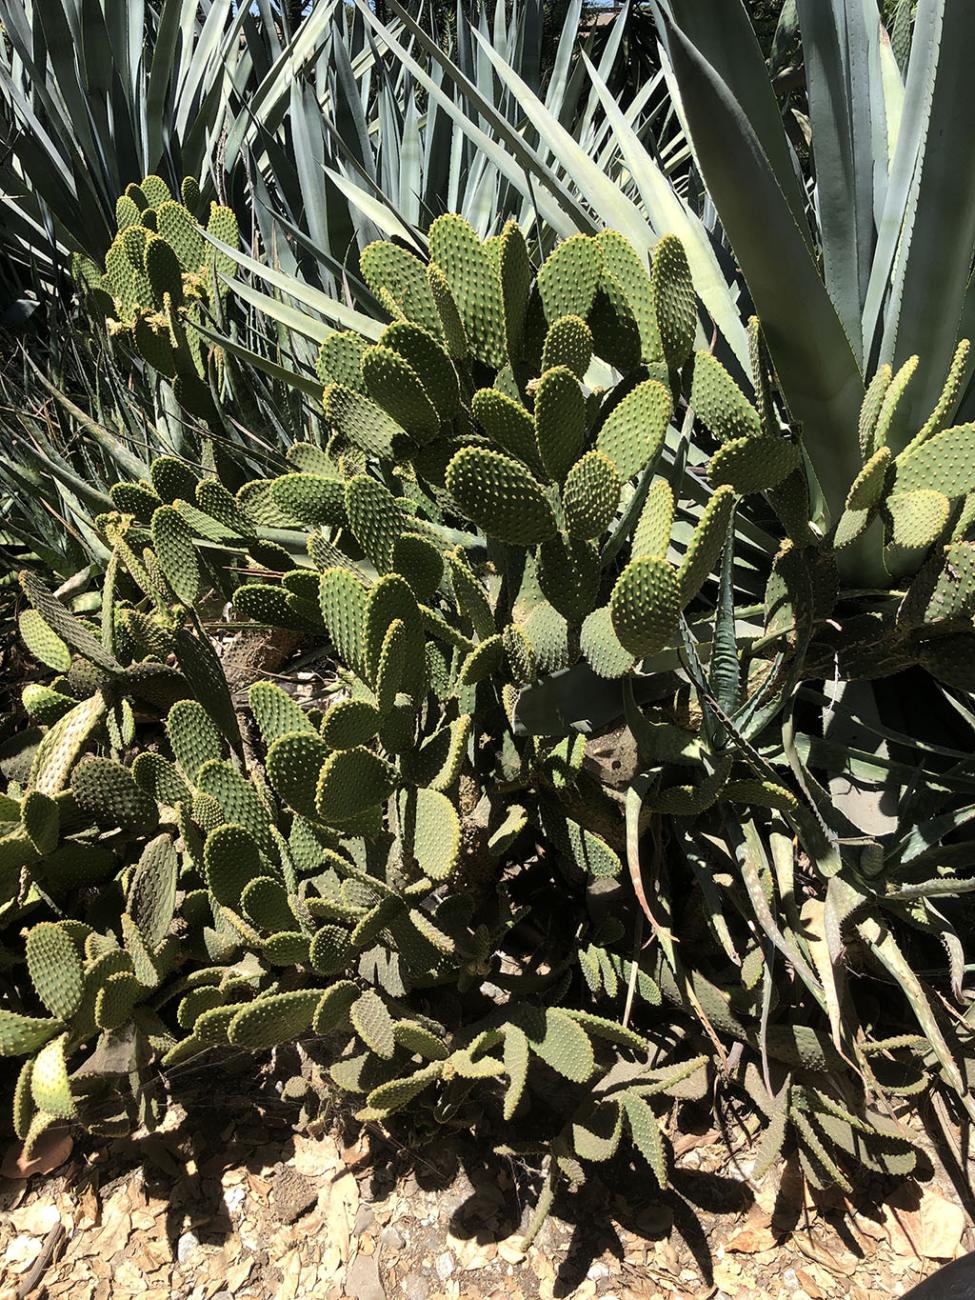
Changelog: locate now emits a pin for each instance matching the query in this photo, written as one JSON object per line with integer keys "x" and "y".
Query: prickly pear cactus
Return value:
{"x": 557, "y": 573}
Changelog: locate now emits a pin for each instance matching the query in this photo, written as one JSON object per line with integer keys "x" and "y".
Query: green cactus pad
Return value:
{"x": 482, "y": 662}
{"x": 127, "y": 211}
{"x": 43, "y": 643}
{"x": 352, "y": 781}
{"x": 397, "y": 1093}
{"x": 917, "y": 518}
{"x": 475, "y": 284}
{"x": 391, "y": 668}
{"x": 193, "y": 737}
{"x": 339, "y": 359}
{"x": 293, "y": 765}
{"x": 163, "y": 270}
{"x": 507, "y": 423}
{"x": 455, "y": 336}
{"x": 264, "y": 901}
{"x": 633, "y": 433}
{"x": 560, "y": 421}
{"x": 500, "y": 496}
{"x": 115, "y": 999}
{"x": 331, "y": 950}
{"x": 590, "y": 495}
{"x": 151, "y": 897}
{"x": 362, "y": 423}
{"x": 389, "y": 599}
{"x": 375, "y": 518}
{"x": 568, "y": 344}
{"x": 427, "y": 359}
{"x": 134, "y": 499}
{"x": 852, "y": 524}
{"x": 393, "y": 384}
{"x": 55, "y": 969}
{"x": 343, "y": 604}
{"x": 350, "y": 723}
{"x": 40, "y": 817}
{"x": 431, "y": 831}
{"x": 868, "y": 486}
{"x": 278, "y": 1018}
{"x": 629, "y": 271}
{"x": 44, "y": 705}
{"x": 311, "y": 499}
{"x": 230, "y": 860}
{"x": 59, "y": 750}
{"x": 49, "y": 1083}
{"x": 645, "y": 1134}
{"x": 420, "y": 563}
{"x": 559, "y": 1041}
{"x": 177, "y": 227}
{"x": 519, "y": 655}
{"x": 893, "y": 396}
{"x": 614, "y": 327}
{"x": 719, "y": 402}
{"x": 373, "y": 1023}
{"x": 704, "y": 548}
{"x": 948, "y": 400}
{"x": 945, "y": 464}
{"x": 63, "y": 623}
{"x": 332, "y": 1010}
{"x": 21, "y": 1034}
{"x": 870, "y": 410}
{"x": 108, "y": 791}
{"x": 753, "y": 464}
{"x": 176, "y": 553}
{"x": 569, "y": 575}
{"x": 950, "y": 658}
{"x": 652, "y": 534}
{"x": 387, "y": 266}
{"x": 516, "y": 279}
{"x": 276, "y": 712}
{"x": 238, "y": 800}
{"x": 155, "y": 189}
{"x": 675, "y": 306}
{"x": 569, "y": 276}
{"x": 645, "y": 605}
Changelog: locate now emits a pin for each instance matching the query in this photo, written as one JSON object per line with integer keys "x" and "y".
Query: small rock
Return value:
{"x": 362, "y": 1279}
{"x": 444, "y": 1265}
{"x": 363, "y": 1220}
{"x": 415, "y": 1286}
{"x": 391, "y": 1238}
{"x": 186, "y": 1245}
{"x": 598, "y": 1270}
{"x": 292, "y": 1194}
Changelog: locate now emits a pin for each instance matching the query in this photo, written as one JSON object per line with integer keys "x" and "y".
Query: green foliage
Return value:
{"x": 567, "y": 639}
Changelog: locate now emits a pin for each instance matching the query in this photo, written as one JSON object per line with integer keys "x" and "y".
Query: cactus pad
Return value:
{"x": 673, "y": 300}
{"x": 753, "y": 464}
{"x": 719, "y": 402}
{"x": 560, "y": 421}
{"x": 500, "y": 495}
{"x": 352, "y": 781}
{"x": 645, "y": 605}
{"x": 633, "y": 433}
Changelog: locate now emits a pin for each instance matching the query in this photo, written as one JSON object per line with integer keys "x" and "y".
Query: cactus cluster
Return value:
{"x": 162, "y": 280}
{"x": 513, "y": 529}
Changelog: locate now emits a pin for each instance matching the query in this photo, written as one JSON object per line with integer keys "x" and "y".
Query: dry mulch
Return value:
{"x": 241, "y": 1200}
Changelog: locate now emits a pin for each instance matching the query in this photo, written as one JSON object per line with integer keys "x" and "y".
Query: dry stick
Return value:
{"x": 36, "y": 1271}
